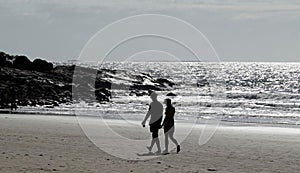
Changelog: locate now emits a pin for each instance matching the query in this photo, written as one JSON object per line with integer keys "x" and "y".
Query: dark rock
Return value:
{"x": 41, "y": 65}
{"x": 211, "y": 169}
{"x": 138, "y": 93}
{"x": 202, "y": 83}
{"x": 106, "y": 92}
{"x": 32, "y": 103}
{"x": 64, "y": 68}
{"x": 22, "y": 62}
{"x": 102, "y": 94}
{"x": 164, "y": 82}
{"x": 171, "y": 94}
{"x": 63, "y": 73}
{"x": 4, "y": 62}
{"x": 100, "y": 83}
{"x": 55, "y": 103}
{"x": 243, "y": 96}
{"x": 22, "y": 85}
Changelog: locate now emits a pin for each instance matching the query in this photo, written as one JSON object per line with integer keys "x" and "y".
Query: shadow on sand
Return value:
{"x": 146, "y": 154}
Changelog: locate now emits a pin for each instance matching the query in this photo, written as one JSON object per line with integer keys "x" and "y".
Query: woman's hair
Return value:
{"x": 168, "y": 101}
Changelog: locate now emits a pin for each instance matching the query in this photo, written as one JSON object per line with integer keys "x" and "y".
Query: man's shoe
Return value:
{"x": 158, "y": 152}
{"x": 165, "y": 152}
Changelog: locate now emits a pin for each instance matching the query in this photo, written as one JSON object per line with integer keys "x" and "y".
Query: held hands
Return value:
{"x": 161, "y": 126}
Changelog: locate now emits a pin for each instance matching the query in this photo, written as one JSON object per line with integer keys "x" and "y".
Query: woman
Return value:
{"x": 168, "y": 125}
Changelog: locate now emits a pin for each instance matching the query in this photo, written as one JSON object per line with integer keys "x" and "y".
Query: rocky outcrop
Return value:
{"x": 41, "y": 65}
{"x": 36, "y": 83}
{"x": 22, "y": 62}
{"x": 202, "y": 83}
{"x": 4, "y": 62}
{"x": 102, "y": 94}
{"x": 138, "y": 93}
{"x": 171, "y": 94}
{"x": 164, "y": 82}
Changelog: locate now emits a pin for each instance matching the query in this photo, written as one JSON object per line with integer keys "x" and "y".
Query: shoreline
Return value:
{"x": 221, "y": 122}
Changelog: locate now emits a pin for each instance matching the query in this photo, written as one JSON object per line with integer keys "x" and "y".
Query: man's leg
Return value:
{"x": 151, "y": 145}
{"x": 153, "y": 141}
{"x": 156, "y": 139}
{"x": 158, "y": 145}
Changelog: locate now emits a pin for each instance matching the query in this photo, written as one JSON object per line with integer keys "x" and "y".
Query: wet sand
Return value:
{"x": 39, "y": 143}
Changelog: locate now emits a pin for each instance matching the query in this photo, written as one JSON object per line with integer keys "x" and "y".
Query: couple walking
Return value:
{"x": 155, "y": 113}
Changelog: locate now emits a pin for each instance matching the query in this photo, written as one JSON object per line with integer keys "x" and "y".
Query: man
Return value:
{"x": 155, "y": 113}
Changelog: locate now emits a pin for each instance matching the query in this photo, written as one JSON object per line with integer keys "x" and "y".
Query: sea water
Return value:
{"x": 226, "y": 91}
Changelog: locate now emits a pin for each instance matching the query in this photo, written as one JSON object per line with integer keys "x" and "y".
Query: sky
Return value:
{"x": 239, "y": 30}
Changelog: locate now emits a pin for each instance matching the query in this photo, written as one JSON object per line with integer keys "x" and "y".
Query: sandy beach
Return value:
{"x": 39, "y": 143}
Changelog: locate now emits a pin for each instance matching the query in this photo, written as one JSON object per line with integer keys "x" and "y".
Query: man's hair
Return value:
{"x": 153, "y": 94}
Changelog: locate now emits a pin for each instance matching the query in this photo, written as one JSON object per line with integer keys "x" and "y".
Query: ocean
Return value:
{"x": 250, "y": 92}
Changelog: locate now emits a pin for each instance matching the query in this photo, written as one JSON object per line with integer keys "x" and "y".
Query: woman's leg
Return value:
{"x": 171, "y": 135}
